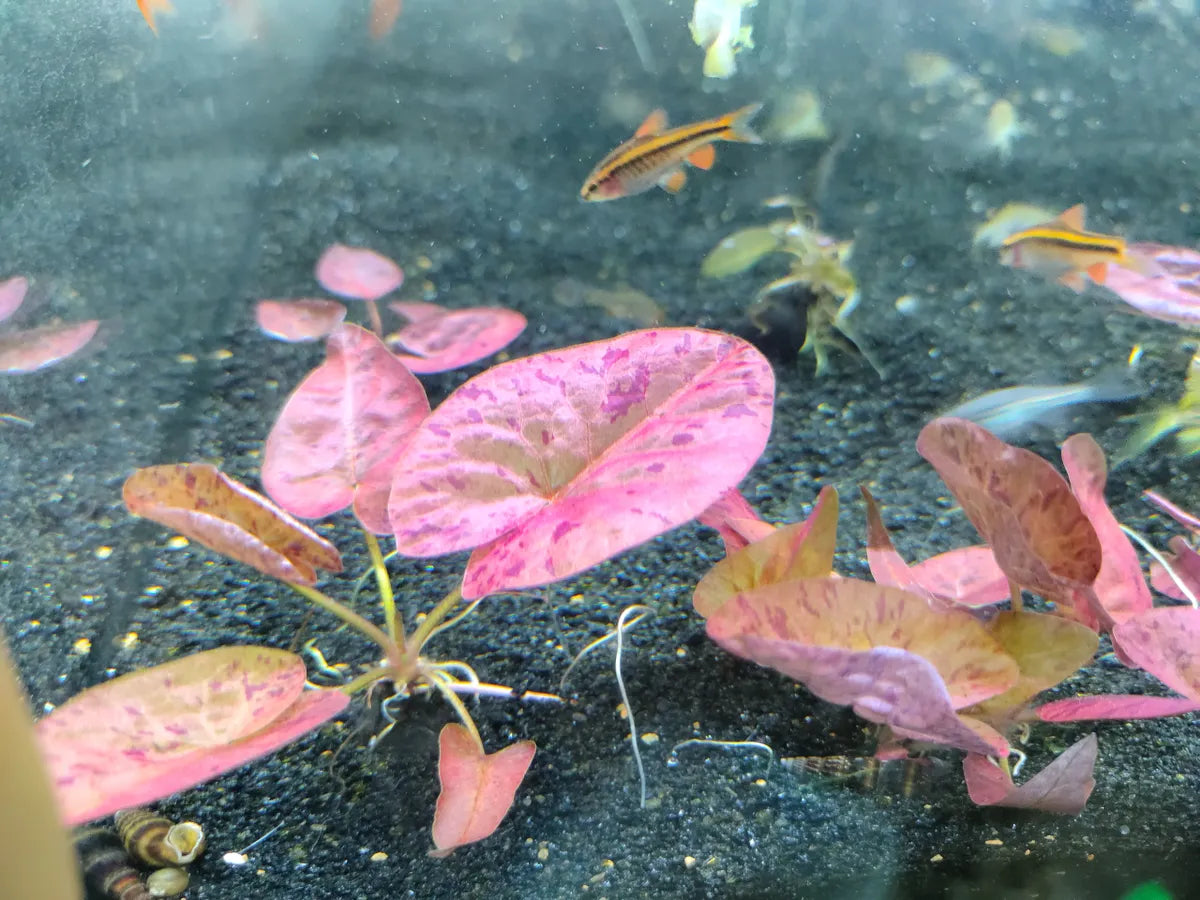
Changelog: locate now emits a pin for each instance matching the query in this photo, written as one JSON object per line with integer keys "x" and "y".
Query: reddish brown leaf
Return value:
{"x": 477, "y": 788}
{"x": 36, "y": 348}
{"x": 298, "y": 320}
{"x": 202, "y": 503}
{"x": 1062, "y": 787}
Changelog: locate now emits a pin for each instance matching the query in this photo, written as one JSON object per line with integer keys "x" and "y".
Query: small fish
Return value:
{"x": 150, "y": 7}
{"x": 655, "y": 154}
{"x": 1010, "y": 412}
{"x": 1181, "y": 418}
{"x": 1062, "y": 249}
{"x": 1007, "y": 221}
{"x": 716, "y": 26}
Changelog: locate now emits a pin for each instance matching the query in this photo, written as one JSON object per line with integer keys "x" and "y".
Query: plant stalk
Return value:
{"x": 366, "y": 628}
{"x": 392, "y": 620}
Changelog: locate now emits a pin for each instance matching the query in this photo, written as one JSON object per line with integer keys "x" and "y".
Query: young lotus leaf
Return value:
{"x": 199, "y": 501}
{"x": 1185, "y": 563}
{"x": 741, "y": 250}
{"x": 357, "y": 273}
{"x": 968, "y": 576}
{"x": 1164, "y": 642}
{"x": 1120, "y": 585}
{"x": 1022, "y": 507}
{"x": 879, "y": 648}
{"x": 453, "y": 338}
{"x": 1062, "y": 787}
{"x": 800, "y": 550}
{"x": 157, "y": 731}
{"x": 12, "y": 295}
{"x": 551, "y": 464}
{"x": 477, "y": 788}
{"x": 735, "y": 520}
{"x": 298, "y": 320}
{"x": 338, "y": 437}
{"x": 36, "y": 348}
{"x": 1115, "y": 706}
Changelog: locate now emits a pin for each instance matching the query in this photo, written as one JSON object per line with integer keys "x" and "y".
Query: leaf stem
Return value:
{"x": 366, "y": 679}
{"x": 441, "y": 681}
{"x": 376, "y": 321}
{"x": 425, "y": 630}
{"x": 395, "y": 625}
{"x": 1014, "y": 593}
{"x": 354, "y": 620}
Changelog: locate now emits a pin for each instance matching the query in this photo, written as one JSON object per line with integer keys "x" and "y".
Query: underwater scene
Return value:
{"x": 599, "y": 448}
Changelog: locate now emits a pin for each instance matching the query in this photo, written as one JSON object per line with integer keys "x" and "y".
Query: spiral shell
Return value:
{"x": 156, "y": 841}
{"x": 167, "y": 882}
{"x": 106, "y": 866}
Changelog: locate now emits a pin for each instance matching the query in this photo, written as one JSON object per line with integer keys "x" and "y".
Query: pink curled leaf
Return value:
{"x": 887, "y": 565}
{"x": 1115, "y": 706}
{"x": 157, "y": 731}
{"x": 1062, "y": 787}
{"x": 338, "y": 437}
{"x": 298, "y": 320}
{"x": 735, "y": 520}
{"x": 12, "y": 295}
{"x": 357, "y": 273}
{"x": 36, "y": 348}
{"x": 968, "y": 576}
{"x": 456, "y": 338}
{"x": 551, "y": 464}
{"x": 478, "y": 788}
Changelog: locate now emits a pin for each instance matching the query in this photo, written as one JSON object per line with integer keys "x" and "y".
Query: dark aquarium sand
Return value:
{"x": 164, "y": 185}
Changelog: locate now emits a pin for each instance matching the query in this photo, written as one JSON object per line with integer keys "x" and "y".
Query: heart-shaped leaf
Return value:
{"x": 1062, "y": 787}
{"x": 553, "y": 463}
{"x": 477, "y": 788}
{"x": 203, "y": 503}
{"x": 735, "y": 520}
{"x": 36, "y": 348}
{"x": 157, "y": 731}
{"x": 298, "y": 320}
{"x": 454, "y": 337}
{"x": 1022, "y": 507}
{"x": 1115, "y": 706}
{"x": 12, "y": 295}
{"x": 1166, "y": 643}
{"x": 800, "y": 550}
{"x": 357, "y": 273}
{"x": 338, "y": 437}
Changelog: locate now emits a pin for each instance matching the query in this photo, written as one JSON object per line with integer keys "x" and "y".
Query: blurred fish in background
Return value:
{"x": 717, "y": 27}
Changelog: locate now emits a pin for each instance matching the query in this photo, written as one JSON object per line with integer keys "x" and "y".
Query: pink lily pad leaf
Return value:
{"x": 338, "y": 437}
{"x": 201, "y": 502}
{"x": 157, "y": 731}
{"x": 1047, "y": 649}
{"x": 1062, "y": 787}
{"x": 968, "y": 576}
{"x": 477, "y": 788}
{"x": 551, "y": 464}
{"x": 1120, "y": 585}
{"x": 358, "y": 273}
{"x": 1173, "y": 295}
{"x": 735, "y": 520}
{"x": 1115, "y": 706}
{"x": 1023, "y": 509}
{"x": 1185, "y": 563}
{"x": 800, "y": 550}
{"x": 12, "y": 295}
{"x": 879, "y": 648}
{"x": 296, "y": 321}
{"x": 37, "y": 348}
{"x": 887, "y": 565}
{"x": 1164, "y": 642}
{"x": 456, "y": 338}
{"x": 1180, "y": 515}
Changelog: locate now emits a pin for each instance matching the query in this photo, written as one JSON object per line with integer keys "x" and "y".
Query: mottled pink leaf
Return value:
{"x": 879, "y": 648}
{"x": 1180, "y": 515}
{"x": 1166, "y": 643}
{"x": 456, "y": 337}
{"x": 1185, "y": 563}
{"x": 12, "y": 295}
{"x": 1115, "y": 706}
{"x": 156, "y": 731}
{"x": 357, "y": 273}
{"x": 417, "y": 310}
{"x": 298, "y": 320}
{"x": 799, "y": 550}
{"x": 551, "y": 464}
{"x": 36, "y": 348}
{"x": 1120, "y": 585}
{"x": 1173, "y": 296}
{"x": 199, "y": 501}
{"x": 1062, "y": 787}
{"x": 735, "y": 520}
{"x": 968, "y": 576}
{"x": 1022, "y": 507}
{"x": 887, "y": 565}
{"x": 338, "y": 437}
{"x": 477, "y": 788}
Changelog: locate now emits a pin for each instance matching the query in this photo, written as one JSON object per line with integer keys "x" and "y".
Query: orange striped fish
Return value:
{"x": 655, "y": 154}
{"x": 1062, "y": 249}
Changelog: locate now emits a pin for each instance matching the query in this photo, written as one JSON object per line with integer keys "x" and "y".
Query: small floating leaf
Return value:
{"x": 357, "y": 273}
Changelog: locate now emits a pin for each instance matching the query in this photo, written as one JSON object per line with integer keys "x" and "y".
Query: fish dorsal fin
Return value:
{"x": 1073, "y": 217}
{"x": 704, "y": 157}
{"x": 674, "y": 182}
{"x": 655, "y": 122}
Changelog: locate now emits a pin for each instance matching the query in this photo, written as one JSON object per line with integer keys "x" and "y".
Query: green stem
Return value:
{"x": 438, "y": 680}
{"x": 436, "y": 615}
{"x": 395, "y": 626}
{"x": 354, "y": 620}
{"x": 366, "y": 679}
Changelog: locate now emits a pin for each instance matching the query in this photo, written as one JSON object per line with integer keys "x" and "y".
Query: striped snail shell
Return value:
{"x": 106, "y": 866}
{"x": 156, "y": 841}
{"x": 167, "y": 882}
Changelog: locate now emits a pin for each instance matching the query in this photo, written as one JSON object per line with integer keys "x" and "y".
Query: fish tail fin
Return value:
{"x": 738, "y": 126}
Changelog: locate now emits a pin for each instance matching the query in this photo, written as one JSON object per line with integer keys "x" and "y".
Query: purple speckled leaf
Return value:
{"x": 551, "y": 464}
{"x": 298, "y": 320}
{"x": 1166, "y": 643}
{"x": 455, "y": 337}
{"x": 1062, "y": 787}
{"x": 338, "y": 437}
{"x": 1115, "y": 706}
{"x": 151, "y": 733}
{"x": 12, "y": 295}
{"x": 357, "y": 273}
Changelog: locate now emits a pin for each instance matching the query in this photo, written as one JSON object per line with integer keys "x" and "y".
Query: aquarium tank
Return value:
{"x": 599, "y": 448}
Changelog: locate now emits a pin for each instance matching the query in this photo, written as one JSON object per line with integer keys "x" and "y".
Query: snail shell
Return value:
{"x": 106, "y": 866}
{"x": 167, "y": 882}
{"x": 155, "y": 840}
